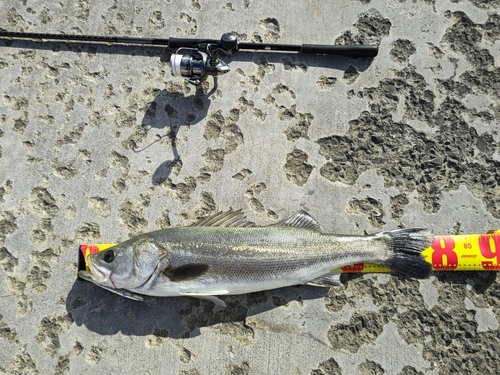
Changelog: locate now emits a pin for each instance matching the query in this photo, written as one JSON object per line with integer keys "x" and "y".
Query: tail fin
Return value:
{"x": 405, "y": 249}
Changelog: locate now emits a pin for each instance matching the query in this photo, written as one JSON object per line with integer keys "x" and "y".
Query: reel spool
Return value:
{"x": 189, "y": 63}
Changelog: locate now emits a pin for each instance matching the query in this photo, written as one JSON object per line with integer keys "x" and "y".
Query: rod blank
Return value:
{"x": 349, "y": 50}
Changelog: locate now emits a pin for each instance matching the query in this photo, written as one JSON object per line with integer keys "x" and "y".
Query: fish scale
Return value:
{"x": 262, "y": 249}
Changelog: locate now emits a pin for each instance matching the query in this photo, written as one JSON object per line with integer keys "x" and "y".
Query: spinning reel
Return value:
{"x": 193, "y": 64}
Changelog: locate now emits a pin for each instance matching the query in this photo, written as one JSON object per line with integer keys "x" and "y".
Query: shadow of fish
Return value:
{"x": 227, "y": 254}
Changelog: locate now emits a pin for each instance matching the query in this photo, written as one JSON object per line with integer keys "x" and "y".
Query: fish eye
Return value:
{"x": 108, "y": 256}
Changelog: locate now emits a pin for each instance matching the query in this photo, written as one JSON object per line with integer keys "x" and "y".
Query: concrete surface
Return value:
{"x": 100, "y": 143}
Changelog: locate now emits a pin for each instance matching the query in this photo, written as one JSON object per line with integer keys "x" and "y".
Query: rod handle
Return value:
{"x": 350, "y": 51}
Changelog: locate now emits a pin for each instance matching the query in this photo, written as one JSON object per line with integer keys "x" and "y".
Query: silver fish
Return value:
{"x": 227, "y": 254}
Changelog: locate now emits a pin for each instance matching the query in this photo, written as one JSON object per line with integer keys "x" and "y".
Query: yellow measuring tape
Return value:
{"x": 469, "y": 252}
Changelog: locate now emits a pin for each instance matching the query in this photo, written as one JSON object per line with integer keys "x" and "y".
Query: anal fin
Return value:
{"x": 331, "y": 279}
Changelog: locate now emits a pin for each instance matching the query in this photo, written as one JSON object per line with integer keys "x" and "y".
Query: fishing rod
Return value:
{"x": 195, "y": 59}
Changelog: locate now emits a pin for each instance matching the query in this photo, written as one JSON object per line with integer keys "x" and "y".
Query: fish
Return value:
{"x": 226, "y": 254}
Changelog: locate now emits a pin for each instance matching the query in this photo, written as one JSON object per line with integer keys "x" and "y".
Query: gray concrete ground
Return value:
{"x": 101, "y": 143}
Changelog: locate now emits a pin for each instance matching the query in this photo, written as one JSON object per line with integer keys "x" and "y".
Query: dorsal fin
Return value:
{"x": 225, "y": 219}
{"x": 301, "y": 219}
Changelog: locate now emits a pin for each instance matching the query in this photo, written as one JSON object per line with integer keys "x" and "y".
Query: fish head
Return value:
{"x": 127, "y": 265}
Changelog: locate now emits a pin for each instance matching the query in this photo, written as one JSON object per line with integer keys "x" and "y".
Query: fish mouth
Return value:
{"x": 86, "y": 275}
{"x": 96, "y": 276}
{"x": 103, "y": 279}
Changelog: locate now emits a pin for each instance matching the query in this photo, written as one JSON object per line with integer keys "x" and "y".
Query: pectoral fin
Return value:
{"x": 208, "y": 297}
{"x": 332, "y": 279}
{"x": 185, "y": 272}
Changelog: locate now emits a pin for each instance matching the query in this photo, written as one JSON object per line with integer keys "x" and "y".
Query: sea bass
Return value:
{"x": 227, "y": 254}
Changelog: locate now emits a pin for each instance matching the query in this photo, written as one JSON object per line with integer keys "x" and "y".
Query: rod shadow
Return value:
{"x": 177, "y": 317}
